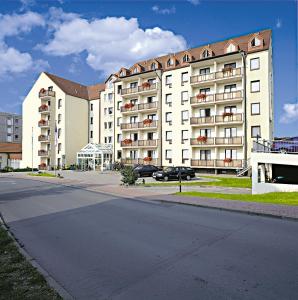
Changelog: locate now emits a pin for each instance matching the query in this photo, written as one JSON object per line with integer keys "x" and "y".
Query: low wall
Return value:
{"x": 262, "y": 188}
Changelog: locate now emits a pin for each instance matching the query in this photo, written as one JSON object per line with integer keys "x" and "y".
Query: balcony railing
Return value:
{"x": 46, "y": 93}
{"x": 202, "y": 99}
{"x": 129, "y": 161}
{"x": 138, "y": 161}
{"x": 138, "y": 125}
{"x": 235, "y": 163}
{"x": 228, "y": 96}
{"x": 197, "y": 142}
{"x": 43, "y": 153}
{"x": 139, "y": 89}
{"x": 215, "y": 76}
{"x": 237, "y": 117}
{"x": 43, "y": 138}
{"x": 141, "y": 106}
{"x": 44, "y": 108}
{"x": 201, "y": 120}
{"x": 43, "y": 123}
{"x": 211, "y": 98}
{"x": 228, "y": 140}
{"x": 140, "y": 143}
{"x": 42, "y": 167}
{"x": 202, "y": 162}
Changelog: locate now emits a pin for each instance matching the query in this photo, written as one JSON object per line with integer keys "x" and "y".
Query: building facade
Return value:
{"x": 200, "y": 108}
{"x": 10, "y": 128}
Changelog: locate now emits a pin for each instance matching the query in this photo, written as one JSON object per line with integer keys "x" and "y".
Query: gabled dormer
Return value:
{"x": 136, "y": 68}
{"x": 171, "y": 61}
{"x": 256, "y": 42}
{"x": 154, "y": 65}
{"x": 206, "y": 52}
{"x": 124, "y": 72}
{"x": 231, "y": 47}
{"x": 186, "y": 57}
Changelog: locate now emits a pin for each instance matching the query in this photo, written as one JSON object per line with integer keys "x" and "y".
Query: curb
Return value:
{"x": 49, "y": 279}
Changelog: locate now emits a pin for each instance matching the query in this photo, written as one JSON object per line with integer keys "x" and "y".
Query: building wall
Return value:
{"x": 94, "y": 115}
{"x": 10, "y": 127}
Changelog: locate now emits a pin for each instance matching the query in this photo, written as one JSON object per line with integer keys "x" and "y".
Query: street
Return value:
{"x": 99, "y": 246}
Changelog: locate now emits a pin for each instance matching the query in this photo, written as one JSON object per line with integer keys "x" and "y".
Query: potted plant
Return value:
{"x": 147, "y": 121}
{"x": 127, "y": 141}
{"x": 148, "y": 158}
{"x": 42, "y": 122}
{"x": 146, "y": 84}
{"x": 227, "y": 69}
{"x": 201, "y": 96}
{"x": 128, "y": 105}
{"x": 42, "y": 165}
{"x": 42, "y": 91}
{"x": 227, "y": 114}
{"x": 202, "y": 138}
{"x": 228, "y": 160}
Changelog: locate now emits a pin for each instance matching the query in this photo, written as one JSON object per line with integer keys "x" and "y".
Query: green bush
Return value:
{"x": 7, "y": 169}
{"x": 128, "y": 175}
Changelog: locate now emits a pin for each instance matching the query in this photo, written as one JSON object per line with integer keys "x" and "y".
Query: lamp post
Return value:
{"x": 180, "y": 186}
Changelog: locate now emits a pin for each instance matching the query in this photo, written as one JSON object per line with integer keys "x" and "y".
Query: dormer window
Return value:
{"x": 255, "y": 42}
{"x": 231, "y": 48}
{"x": 205, "y": 53}
{"x": 135, "y": 70}
{"x": 153, "y": 66}
{"x": 186, "y": 58}
{"x": 170, "y": 62}
{"x": 122, "y": 73}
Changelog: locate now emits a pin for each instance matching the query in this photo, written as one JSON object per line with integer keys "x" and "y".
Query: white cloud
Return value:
{"x": 111, "y": 42}
{"x": 290, "y": 113}
{"x": 12, "y": 61}
{"x": 164, "y": 11}
{"x": 56, "y": 16}
{"x": 194, "y": 2}
{"x": 278, "y": 23}
{"x": 26, "y": 4}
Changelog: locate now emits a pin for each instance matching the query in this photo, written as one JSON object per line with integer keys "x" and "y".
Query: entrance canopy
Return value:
{"x": 95, "y": 157}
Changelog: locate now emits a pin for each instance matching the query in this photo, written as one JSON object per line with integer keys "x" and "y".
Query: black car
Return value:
{"x": 172, "y": 173}
{"x": 145, "y": 170}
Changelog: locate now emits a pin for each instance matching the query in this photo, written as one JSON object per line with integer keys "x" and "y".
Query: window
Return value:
{"x": 105, "y": 125}
{"x": 205, "y": 154}
{"x": 205, "y": 53}
{"x": 105, "y": 110}
{"x": 91, "y": 106}
{"x": 184, "y": 116}
{"x": 230, "y": 65}
{"x": 169, "y": 136}
{"x": 59, "y": 103}
{"x": 229, "y": 88}
{"x": 59, "y": 147}
{"x": 110, "y": 96}
{"x": 204, "y": 71}
{"x": 231, "y": 153}
{"x": 135, "y": 70}
{"x": 118, "y": 105}
{"x": 134, "y": 136}
{"x": 170, "y": 62}
{"x": 168, "y": 154}
{"x": 122, "y": 73}
{"x": 255, "y": 42}
{"x": 186, "y": 58}
{"x": 255, "y": 131}
{"x": 255, "y": 108}
{"x": 91, "y": 120}
{"x": 16, "y": 121}
{"x": 230, "y": 109}
{"x": 9, "y": 138}
{"x": 133, "y": 85}
{"x": 230, "y": 132}
{"x": 50, "y": 88}
{"x": 168, "y": 98}
{"x": 59, "y": 118}
{"x": 133, "y": 119}
{"x": 119, "y": 154}
{"x": 110, "y": 110}
{"x": 59, "y": 132}
{"x": 205, "y": 91}
{"x": 119, "y": 119}
{"x": 184, "y": 97}
{"x": 205, "y": 112}
{"x": 110, "y": 125}
{"x": 231, "y": 48}
{"x": 110, "y": 139}
{"x": 205, "y": 132}
{"x": 169, "y": 80}
{"x": 185, "y": 155}
{"x": 153, "y": 66}
{"x": 255, "y": 86}
{"x": 16, "y": 136}
{"x": 106, "y": 140}
{"x": 184, "y": 77}
{"x": 169, "y": 117}
{"x": 184, "y": 135}
{"x": 119, "y": 88}
{"x": 150, "y": 136}
{"x": 119, "y": 137}
{"x": 255, "y": 63}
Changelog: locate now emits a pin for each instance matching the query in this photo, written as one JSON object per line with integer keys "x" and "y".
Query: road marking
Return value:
{"x": 7, "y": 181}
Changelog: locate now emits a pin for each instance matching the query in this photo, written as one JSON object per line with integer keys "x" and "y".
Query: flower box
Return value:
{"x": 228, "y": 160}
{"x": 148, "y": 158}
{"x": 227, "y": 69}
{"x": 147, "y": 121}
{"x": 227, "y": 114}
{"x": 146, "y": 84}
{"x": 128, "y": 105}
{"x": 202, "y": 138}
{"x": 127, "y": 141}
{"x": 201, "y": 96}
{"x": 42, "y": 122}
{"x": 42, "y": 165}
{"x": 42, "y": 91}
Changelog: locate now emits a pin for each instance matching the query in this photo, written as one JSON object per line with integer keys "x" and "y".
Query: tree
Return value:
{"x": 128, "y": 175}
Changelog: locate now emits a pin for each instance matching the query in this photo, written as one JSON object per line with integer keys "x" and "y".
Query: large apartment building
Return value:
{"x": 201, "y": 107}
{"x": 10, "y": 128}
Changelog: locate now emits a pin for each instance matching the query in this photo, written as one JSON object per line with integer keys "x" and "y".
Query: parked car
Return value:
{"x": 172, "y": 173}
{"x": 145, "y": 170}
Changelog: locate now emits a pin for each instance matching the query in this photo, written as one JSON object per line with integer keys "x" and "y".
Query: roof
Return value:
{"x": 10, "y": 148}
{"x": 75, "y": 89}
{"x": 217, "y": 48}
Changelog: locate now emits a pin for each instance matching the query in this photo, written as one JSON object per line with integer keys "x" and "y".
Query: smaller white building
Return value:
{"x": 272, "y": 170}
{"x": 95, "y": 157}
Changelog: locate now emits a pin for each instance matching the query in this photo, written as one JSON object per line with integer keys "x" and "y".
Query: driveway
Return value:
{"x": 100, "y": 246}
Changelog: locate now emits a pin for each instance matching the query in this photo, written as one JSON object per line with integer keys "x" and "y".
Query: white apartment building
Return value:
{"x": 200, "y": 108}
{"x": 10, "y": 128}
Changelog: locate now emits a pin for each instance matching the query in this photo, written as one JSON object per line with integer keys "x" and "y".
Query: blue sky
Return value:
{"x": 86, "y": 40}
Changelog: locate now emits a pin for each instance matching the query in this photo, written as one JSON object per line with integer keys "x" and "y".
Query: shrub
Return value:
{"x": 129, "y": 177}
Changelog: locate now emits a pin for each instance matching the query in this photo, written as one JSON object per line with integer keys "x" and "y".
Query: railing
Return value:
{"x": 43, "y": 153}
{"x": 201, "y": 120}
{"x": 42, "y": 167}
{"x": 43, "y": 123}
{"x": 202, "y": 162}
{"x": 228, "y": 96}
{"x": 234, "y": 163}
{"x": 195, "y": 141}
{"x": 276, "y": 146}
{"x": 140, "y": 143}
{"x": 138, "y": 125}
{"x": 228, "y": 140}
{"x": 139, "y": 89}
{"x": 217, "y": 75}
{"x": 140, "y": 106}
{"x": 43, "y": 108}
{"x": 127, "y": 109}
{"x": 43, "y": 138}
{"x": 206, "y": 99}
{"x": 228, "y": 118}
{"x": 129, "y": 161}
{"x": 142, "y": 161}
{"x": 46, "y": 93}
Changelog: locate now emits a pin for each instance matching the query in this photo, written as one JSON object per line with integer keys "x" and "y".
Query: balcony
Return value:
{"x": 237, "y": 140}
{"x": 43, "y": 138}
{"x": 202, "y": 163}
{"x": 141, "y": 143}
{"x": 201, "y": 120}
{"x": 234, "y": 163}
{"x": 46, "y": 94}
{"x": 227, "y": 73}
{"x": 44, "y": 109}
{"x": 138, "y": 125}
{"x": 43, "y": 153}
{"x": 142, "y": 89}
{"x": 229, "y": 118}
{"x": 142, "y": 106}
{"x": 42, "y": 166}
{"x": 129, "y": 161}
{"x": 202, "y": 99}
{"x": 232, "y": 96}
{"x": 43, "y": 123}
{"x": 139, "y": 161}
{"x": 198, "y": 142}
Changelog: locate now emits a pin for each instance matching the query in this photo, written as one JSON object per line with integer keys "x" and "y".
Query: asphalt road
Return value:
{"x": 103, "y": 247}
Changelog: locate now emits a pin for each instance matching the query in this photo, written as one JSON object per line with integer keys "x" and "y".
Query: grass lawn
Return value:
{"x": 219, "y": 181}
{"x": 44, "y": 174}
{"x": 18, "y": 279}
{"x": 273, "y": 198}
